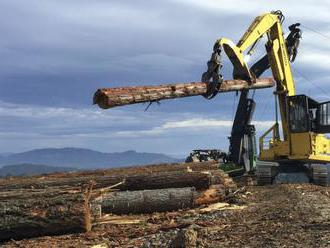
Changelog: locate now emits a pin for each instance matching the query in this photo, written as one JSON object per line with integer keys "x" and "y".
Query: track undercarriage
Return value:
{"x": 279, "y": 173}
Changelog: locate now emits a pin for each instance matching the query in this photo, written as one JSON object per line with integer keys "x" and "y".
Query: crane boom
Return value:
{"x": 242, "y": 147}
{"x": 304, "y": 120}
{"x": 269, "y": 24}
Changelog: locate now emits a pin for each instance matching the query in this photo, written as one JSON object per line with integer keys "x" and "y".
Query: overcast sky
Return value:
{"x": 56, "y": 53}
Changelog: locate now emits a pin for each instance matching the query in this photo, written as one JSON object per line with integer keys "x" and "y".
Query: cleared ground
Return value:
{"x": 267, "y": 216}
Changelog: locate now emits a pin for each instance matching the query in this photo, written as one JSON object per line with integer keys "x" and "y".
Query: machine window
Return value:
{"x": 299, "y": 119}
{"x": 325, "y": 114}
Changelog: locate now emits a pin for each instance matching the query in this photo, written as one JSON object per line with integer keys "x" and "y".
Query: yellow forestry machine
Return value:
{"x": 302, "y": 151}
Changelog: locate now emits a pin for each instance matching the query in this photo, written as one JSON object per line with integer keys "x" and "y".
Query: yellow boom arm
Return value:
{"x": 269, "y": 24}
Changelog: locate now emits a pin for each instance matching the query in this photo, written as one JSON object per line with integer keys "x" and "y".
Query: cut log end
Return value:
{"x": 101, "y": 99}
{"x": 32, "y": 213}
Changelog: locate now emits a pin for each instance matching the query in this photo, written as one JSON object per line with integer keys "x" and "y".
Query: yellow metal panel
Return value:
{"x": 301, "y": 144}
{"x": 259, "y": 26}
{"x": 277, "y": 150}
{"x": 321, "y": 147}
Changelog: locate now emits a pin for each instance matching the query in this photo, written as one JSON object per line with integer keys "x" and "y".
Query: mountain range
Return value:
{"x": 83, "y": 158}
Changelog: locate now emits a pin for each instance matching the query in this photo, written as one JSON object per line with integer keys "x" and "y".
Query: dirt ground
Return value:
{"x": 258, "y": 216}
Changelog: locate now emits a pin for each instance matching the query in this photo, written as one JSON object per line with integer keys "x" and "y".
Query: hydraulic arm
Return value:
{"x": 242, "y": 148}
{"x": 303, "y": 120}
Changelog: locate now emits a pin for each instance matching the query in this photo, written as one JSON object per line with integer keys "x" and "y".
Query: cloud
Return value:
{"x": 315, "y": 58}
{"x": 294, "y": 9}
{"x": 181, "y": 126}
{"x": 193, "y": 123}
{"x": 186, "y": 126}
{"x": 24, "y": 127}
{"x": 55, "y": 54}
{"x": 39, "y": 112}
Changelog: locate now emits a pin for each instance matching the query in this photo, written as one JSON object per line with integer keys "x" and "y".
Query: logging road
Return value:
{"x": 272, "y": 216}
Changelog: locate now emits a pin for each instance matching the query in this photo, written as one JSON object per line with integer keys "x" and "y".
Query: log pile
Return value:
{"x": 113, "y": 97}
{"x": 75, "y": 202}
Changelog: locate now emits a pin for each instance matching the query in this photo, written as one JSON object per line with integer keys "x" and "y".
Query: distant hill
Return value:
{"x": 30, "y": 169}
{"x": 84, "y": 158}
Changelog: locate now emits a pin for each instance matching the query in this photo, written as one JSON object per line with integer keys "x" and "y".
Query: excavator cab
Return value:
{"x": 308, "y": 115}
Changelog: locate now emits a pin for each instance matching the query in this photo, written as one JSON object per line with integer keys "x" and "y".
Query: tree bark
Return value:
{"x": 32, "y": 213}
{"x": 179, "y": 179}
{"x": 104, "y": 178}
{"x": 174, "y": 179}
{"x": 159, "y": 200}
{"x": 112, "y": 97}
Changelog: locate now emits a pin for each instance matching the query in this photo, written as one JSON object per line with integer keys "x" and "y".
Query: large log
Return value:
{"x": 160, "y": 180}
{"x": 174, "y": 179}
{"x": 159, "y": 200}
{"x": 112, "y": 97}
{"x": 32, "y": 213}
{"x": 104, "y": 178}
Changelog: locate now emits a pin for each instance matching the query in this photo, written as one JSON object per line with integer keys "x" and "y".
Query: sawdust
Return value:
{"x": 221, "y": 206}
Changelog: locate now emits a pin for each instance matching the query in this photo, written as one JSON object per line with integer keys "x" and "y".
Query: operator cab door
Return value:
{"x": 301, "y": 113}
